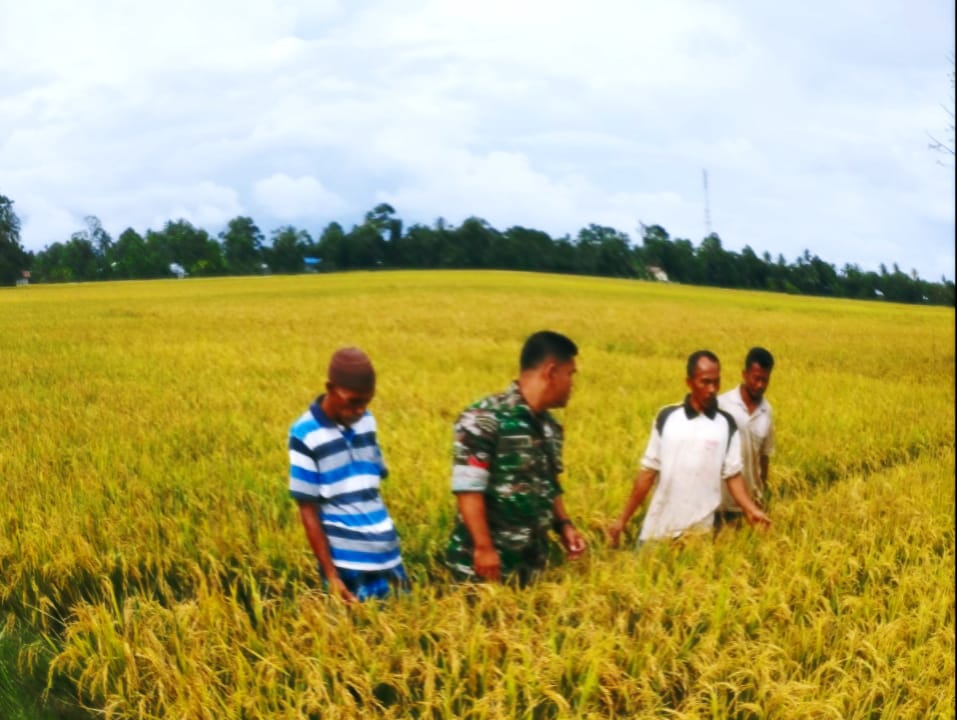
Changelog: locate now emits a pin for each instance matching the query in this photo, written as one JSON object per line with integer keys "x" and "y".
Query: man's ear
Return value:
{"x": 549, "y": 369}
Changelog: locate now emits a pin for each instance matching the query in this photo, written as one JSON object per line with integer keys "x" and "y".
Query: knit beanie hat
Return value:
{"x": 351, "y": 369}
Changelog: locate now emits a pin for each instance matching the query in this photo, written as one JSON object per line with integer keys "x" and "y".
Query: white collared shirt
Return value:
{"x": 757, "y": 440}
{"x": 693, "y": 454}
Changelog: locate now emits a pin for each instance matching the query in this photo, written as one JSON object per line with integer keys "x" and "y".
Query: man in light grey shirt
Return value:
{"x": 752, "y": 414}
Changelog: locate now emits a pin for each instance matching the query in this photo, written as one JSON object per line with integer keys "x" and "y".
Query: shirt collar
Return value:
{"x": 319, "y": 414}
{"x": 691, "y": 413}
{"x": 325, "y": 421}
{"x": 760, "y": 407}
{"x": 513, "y": 397}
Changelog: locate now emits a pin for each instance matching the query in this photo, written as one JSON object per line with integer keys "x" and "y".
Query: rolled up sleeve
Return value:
{"x": 651, "y": 460}
{"x": 732, "y": 464}
{"x": 473, "y": 451}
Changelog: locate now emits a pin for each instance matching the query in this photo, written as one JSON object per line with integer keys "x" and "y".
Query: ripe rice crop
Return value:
{"x": 153, "y": 566}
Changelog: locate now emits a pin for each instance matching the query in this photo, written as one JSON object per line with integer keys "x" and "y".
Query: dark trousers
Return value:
{"x": 725, "y": 518}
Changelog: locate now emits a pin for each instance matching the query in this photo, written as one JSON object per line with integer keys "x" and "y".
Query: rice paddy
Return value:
{"x": 153, "y": 565}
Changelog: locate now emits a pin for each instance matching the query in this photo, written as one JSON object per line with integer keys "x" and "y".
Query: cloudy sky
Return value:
{"x": 811, "y": 119}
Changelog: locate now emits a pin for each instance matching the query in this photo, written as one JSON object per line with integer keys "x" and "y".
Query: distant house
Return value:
{"x": 657, "y": 273}
{"x": 24, "y": 278}
{"x": 177, "y": 270}
{"x": 311, "y": 263}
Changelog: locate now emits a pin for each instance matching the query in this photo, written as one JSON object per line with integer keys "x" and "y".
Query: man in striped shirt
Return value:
{"x": 335, "y": 470}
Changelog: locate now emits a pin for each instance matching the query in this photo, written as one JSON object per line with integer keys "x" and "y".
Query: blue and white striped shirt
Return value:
{"x": 340, "y": 469}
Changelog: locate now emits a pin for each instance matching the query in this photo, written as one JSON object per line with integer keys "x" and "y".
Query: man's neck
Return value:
{"x": 750, "y": 404}
{"x": 532, "y": 395}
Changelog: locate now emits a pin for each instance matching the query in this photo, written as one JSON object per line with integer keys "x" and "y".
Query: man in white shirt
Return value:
{"x": 694, "y": 449}
{"x": 752, "y": 414}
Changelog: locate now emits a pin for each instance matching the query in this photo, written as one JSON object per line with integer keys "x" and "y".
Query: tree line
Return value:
{"x": 381, "y": 241}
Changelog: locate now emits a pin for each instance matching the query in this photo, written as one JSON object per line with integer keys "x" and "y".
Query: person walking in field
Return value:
{"x": 335, "y": 470}
{"x": 694, "y": 449}
{"x": 752, "y": 414}
{"x": 507, "y": 458}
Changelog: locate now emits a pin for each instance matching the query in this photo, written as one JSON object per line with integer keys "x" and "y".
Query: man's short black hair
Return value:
{"x": 694, "y": 357}
{"x": 762, "y": 357}
{"x": 546, "y": 344}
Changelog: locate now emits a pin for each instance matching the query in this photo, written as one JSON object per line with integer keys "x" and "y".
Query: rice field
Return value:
{"x": 153, "y": 566}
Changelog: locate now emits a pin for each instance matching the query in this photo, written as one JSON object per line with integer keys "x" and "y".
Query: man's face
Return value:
{"x": 705, "y": 384}
{"x": 345, "y": 406}
{"x": 755, "y": 381}
{"x": 561, "y": 377}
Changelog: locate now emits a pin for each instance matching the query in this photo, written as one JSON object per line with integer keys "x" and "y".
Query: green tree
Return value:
{"x": 13, "y": 258}
{"x": 717, "y": 265}
{"x": 677, "y": 257}
{"x": 133, "y": 258}
{"x": 331, "y": 248}
{"x": 190, "y": 247}
{"x": 50, "y": 265}
{"x": 476, "y": 239}
{"x": 753, "y": 271}
{"x": 364, "y": 247}
{"x": 382, "y": 219}
{"x": 604, "y": 251}
{"x": 100, "y": 241}
{"x": 419, "y": 247}
{"x": 526, "y": 249}
{"x": 288, "y": 248}
{"x": 451, "y": 254}
{"x": 856, "y": 283}
{"x": 657, "y": 250}
{"x": 72, "y": 261}
{"x": 242, "y": 244}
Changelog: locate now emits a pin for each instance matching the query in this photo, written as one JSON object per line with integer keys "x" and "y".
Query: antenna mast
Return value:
{"x": 707, "y": 207}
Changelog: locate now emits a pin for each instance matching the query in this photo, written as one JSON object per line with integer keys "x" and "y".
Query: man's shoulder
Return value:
{"x": 732, "y": 401}
{"x": 493, "y": 402}
{"x": 732, "y": 395}
{"x": 365, "y": 424}
{"x": 549, "y": 420}
{"x": 304, "y": 424}
{"x": 481, "y": 418}
{"x": 664, "y": 414}
{"x": 729, "y": 419}
{"x": 491, "y": 407}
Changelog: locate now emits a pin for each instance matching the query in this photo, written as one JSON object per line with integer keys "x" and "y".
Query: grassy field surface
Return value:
{"x": 153, "y": 566}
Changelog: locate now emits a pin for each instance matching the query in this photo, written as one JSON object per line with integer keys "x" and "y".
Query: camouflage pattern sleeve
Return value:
{"x": 473, "y": 450}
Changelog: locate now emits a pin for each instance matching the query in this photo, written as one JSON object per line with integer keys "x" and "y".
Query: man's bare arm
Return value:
{"x": 485, "y": 560}
{"x": 739, "y": 491}
{"x": 320, "y": 548}
{"x": 644, "y": 481}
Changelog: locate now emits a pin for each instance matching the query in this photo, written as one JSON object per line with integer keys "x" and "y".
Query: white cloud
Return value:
{"x": 291, "y": 199}
{"x": 545, "y": 114}
{"x": 205, "y": 204}
{"x": 42, "y": 219}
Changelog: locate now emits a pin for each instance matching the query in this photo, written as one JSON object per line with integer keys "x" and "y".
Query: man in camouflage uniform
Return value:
{"x": 507, "y": 459}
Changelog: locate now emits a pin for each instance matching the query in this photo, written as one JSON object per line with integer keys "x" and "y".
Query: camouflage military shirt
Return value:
{"x": 512, "y": 456}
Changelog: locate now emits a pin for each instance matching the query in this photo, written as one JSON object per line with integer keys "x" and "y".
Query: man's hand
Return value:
{"x": 339, "y": 589}
{"x": 613, "y": 533}
{"x": 757, "y": 518}
{"x": 573, "y": 542}
{"x": 487, "y": 564}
